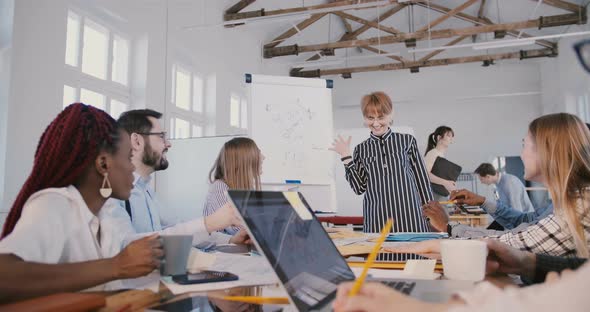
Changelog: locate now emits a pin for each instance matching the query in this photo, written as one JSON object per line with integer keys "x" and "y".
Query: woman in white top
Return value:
{"x": 438, "y": 143}
{"x": 556, "y": 152}
{"x": 58, "y": 236}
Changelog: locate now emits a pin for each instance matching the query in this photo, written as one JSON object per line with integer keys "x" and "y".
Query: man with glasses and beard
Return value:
{"x": 149, "y": 147}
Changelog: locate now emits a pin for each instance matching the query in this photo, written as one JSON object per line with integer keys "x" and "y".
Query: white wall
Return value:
{"x": 6, "y": 18}
{"x": 35, "y": 93}
{"x": 564, "y": 80}
{"x": 464, "y": 97}
{"x": 33, "y": 87}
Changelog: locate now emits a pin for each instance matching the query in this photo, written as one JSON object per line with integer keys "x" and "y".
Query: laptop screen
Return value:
{"x": 295, "y": 243}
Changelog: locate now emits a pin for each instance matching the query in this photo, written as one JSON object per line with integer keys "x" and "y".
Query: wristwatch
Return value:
{"x": 449, "y": 230}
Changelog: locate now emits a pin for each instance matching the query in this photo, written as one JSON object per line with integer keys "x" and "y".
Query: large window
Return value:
{"x": 187, "y": 104}
{"x": 583, "y": 108}
{"x": 238, "y": 111}
{"x": 97, "y": 65}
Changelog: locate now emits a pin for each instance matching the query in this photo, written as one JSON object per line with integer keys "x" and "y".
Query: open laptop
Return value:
{"x": 305, "y": 259}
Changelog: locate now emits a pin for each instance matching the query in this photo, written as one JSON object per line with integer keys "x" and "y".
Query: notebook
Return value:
{"x": 415, "y": 237}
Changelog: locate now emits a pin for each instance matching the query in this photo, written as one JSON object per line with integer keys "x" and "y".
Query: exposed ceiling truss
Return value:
{"x": 572, "y": 14}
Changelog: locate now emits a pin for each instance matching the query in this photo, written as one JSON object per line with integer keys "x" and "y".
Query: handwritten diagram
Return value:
{"x": 295, "y": 144}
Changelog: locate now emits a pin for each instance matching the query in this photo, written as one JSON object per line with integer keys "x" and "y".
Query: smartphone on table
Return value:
{"x": 204, "y": 277}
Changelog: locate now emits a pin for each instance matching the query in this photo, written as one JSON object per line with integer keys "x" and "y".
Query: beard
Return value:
{"x": 154, "y": 159}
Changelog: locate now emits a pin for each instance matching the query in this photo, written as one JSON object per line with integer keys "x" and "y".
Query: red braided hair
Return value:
{"x": 68, "y": 146}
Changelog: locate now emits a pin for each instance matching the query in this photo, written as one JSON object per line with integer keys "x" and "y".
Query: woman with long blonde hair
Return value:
{"x": 238, "y": 167}
{"x": 562, "y": 143}
{"x": 556, "y": 153}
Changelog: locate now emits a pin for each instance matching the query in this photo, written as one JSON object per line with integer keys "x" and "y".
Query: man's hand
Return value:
{"x": 437, "y": 215}
{"x": 241, "y": 237}
{"x": 465, "y": 197}
{"x": 505, "y": 259}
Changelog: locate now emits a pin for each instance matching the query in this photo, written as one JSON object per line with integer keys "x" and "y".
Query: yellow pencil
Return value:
{"x": 359, "y": 281}
{"x": 448, "y": 202}
{"x": 258, "y": 300}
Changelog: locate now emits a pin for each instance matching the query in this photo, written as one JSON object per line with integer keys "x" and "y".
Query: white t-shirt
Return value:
{"x": 430, "y": 158}
{"x": 56, "y": 226}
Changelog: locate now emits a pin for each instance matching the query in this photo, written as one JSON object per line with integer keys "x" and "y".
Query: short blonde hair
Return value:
{"x": 376, "y": 102}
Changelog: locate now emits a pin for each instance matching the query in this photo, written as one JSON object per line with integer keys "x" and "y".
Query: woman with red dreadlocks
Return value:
{"x": 58, "y": 236}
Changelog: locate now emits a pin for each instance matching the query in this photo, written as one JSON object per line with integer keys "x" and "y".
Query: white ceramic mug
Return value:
{"x": 464, "y": 259}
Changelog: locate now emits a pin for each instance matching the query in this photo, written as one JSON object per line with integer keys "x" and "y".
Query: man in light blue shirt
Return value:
{"x": 517, "y": 220}
{"x": 509, "y": 188}
{"x": 149, "y": 147}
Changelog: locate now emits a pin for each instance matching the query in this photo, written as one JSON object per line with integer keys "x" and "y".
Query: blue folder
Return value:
{"x": 415, "y": 237}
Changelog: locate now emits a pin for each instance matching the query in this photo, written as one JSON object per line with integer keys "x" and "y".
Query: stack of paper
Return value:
{"x": 251, "y": 270}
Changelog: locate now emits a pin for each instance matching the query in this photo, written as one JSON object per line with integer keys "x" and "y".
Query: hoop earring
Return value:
{"x": 106, "y": 191}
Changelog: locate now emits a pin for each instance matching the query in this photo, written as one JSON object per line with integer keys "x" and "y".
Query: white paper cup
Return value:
{"x": 464, "y": 259}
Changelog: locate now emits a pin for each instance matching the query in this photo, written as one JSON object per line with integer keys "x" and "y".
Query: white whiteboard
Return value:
{"x": 183, "y": 187}
{"x": 291, "y": 122}
{"x": 347, "y": 202}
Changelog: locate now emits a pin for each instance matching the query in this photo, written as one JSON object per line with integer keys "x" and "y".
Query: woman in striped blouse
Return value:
{"x": 388, "y": 169}
{"x": 238, "y": 166}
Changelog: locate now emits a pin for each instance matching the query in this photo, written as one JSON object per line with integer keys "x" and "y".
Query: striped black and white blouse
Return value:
{"x": 390, "y": 171}
{"x": 217, "y": 198}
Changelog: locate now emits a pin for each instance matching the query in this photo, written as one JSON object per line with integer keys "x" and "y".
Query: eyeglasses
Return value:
{"x": 162, "y": 134}
{"x": 583, "y": 51}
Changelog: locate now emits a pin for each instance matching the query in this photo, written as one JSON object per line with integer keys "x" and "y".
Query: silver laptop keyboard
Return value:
{"x": 401, "y": 286}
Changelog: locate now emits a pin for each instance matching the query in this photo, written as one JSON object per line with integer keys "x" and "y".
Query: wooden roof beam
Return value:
{"x": 294, "y": 30}
{"x": 347, "y": 25}
{"x": 379, "y": 19}
{"x": 363, "y": 21}
{"x": 377, "y": 51}
{"x": 564, "y": 5}
{"x": 428, "y": 63}
{"x": 544, "y": 21}
{"x": 435, "y": 53}
{"x": 446, "y": 16}
{"x": 486, "y": 21}
{"x": 239, "y": 6}
{"x": 333, "y": 6}
{"x": 364, "y": 28}
{"x": 480, "y": 14}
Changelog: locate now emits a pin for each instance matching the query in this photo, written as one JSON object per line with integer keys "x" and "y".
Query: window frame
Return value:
{"x": 75, "y": 78}
{"x": 193, "y": 117}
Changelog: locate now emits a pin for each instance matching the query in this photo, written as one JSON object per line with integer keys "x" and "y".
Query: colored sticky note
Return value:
{"x": 298, "y": 206}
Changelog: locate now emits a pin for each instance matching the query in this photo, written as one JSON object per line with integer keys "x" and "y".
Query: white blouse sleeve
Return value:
{"x": 40, "y": 234}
